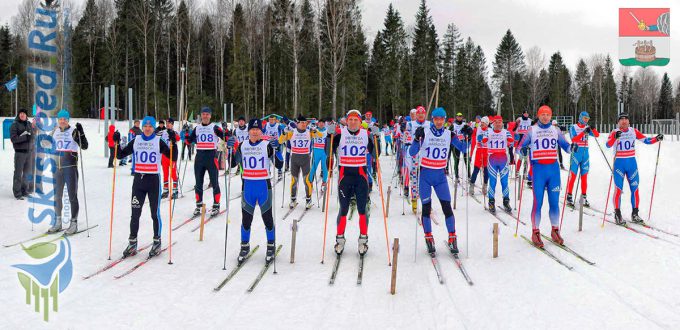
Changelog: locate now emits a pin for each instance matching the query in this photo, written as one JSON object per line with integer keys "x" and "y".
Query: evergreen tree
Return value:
{"x": 509, "y": 61}
{"x": 451, "y": 43}
{"x": 425, "y": 51}
{"x": 665, "y": 104}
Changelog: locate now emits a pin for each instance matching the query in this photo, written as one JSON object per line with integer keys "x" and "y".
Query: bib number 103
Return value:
{"x": 436, "y": 153}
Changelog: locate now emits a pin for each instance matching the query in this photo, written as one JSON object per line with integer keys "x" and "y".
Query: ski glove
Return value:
{"x": 116, "y": 137}
{"x": 588, "y": 130}
{"x": 420, "y": 134}
{"x": 231, "y": 142}
{"x": 467, "y": 131}
{"x": 659, "y": 137}
{"x": 172, "y": 136}
{"x": 274, "y": 143}
{"x": 80, "y": 129}
{"x": 574, "y": 147}
{"x": 617, "y": 134}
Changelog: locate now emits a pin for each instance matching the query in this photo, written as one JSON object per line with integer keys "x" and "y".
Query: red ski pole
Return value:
{"x": 330, "y": 181}
{"x": 521, "y": 192}
{"x": 656, "y": 167}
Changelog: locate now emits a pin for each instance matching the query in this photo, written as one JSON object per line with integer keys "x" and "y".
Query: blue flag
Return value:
{"x": 12, "y": 84}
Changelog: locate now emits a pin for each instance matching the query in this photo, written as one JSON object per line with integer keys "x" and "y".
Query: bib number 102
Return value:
{"x": 354, "y": 150}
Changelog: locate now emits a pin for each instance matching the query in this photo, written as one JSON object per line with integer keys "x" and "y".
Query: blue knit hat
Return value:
{"x": 439, "y": 112}
{"x": 149, "y": 120}
{"x": 582, "y": 115}
{"x": 63, "y": 113}
{"x": 206, "y": 109}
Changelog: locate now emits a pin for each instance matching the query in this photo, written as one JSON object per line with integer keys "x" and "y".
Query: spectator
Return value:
{"x": 21, "y": 135}
{"x": 111, "y": 144}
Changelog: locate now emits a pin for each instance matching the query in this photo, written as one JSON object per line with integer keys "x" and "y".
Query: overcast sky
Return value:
{"x": 577, "y": 28}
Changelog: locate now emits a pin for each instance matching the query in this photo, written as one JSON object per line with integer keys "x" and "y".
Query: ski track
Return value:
{"x": 633, "y": 284}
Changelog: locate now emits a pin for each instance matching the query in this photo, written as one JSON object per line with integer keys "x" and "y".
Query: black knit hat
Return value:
{"x": 255, "y": 123}
{"x": 300, "y": 118}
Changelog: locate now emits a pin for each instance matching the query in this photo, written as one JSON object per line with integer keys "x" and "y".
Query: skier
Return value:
{"x": 300, "y": 140}
{"x": 456, "y": 127}
{"x": 626, "y": 165}
{"x": 387, "y": 133}
{"x": 481, "y": 157}
{"x": 134, "y": 131}
{"x": 148, "y": 149}
{"x": 319, "y": 155}
{"x": 580, "y": 159}
{"x": 206, "y": 135}
{"x": 522, "y": 125}
{"x": 188, "y": 146}
{"x": 412, "y": 126}
{"x": 22, "y": 137}
{"x": 253, "y": 155}
{"x": 164, "y": 134}
{"x": 67, "y": 140}
{"x": 497, "y": 140}
{"x": 241, "y": 131}
{"x": 541, "y": 142}
{"x": 433, "y": 143}
{"x": 273, "y": 130}
{"x": 351, "y": 146}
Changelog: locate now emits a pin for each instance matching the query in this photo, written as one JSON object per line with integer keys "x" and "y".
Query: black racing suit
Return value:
{"x": 206, "y": 160}
{"x": 67, "y": 174}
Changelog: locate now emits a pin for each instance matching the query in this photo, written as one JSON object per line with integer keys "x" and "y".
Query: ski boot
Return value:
{"x": 453, "y": 243}
{"x": 56, "y": 227}
{"x": 271, "y": 252}
{"x": 72, "y": 227}
{"x": 280, "y": 176}
{"x": 530, "y": 185}
{"x": 570, "y": 200}
{"x": 492, "y": 206}
{"x": 618, "y": 218}
{"x": 245, "y": 249}
{"x": 174, "y": 193}
{"x": 197, "y": 210}
{"x": 429, "y": 243}
{"x": 323, "y": 188}
{"x": 414, "y": 205}
{"x": 131, "y": 249}
{"x": 406, "y": 192}
{"x": 308, "y": 204}
{"x": 556, "y": 237}
{"x": 536, "y": 238}
{"x": 155, "y": 248}
{"x": 635, "y": 217}
{"x": 506, "y": 205}
{"x": 472, "y": 188}
{"x": 339, "y": 244}
{"x": 215, "y": 210}
{"x": 292, "y": 204}
{"x": 363, "y": 246}
{"x": 585, "y": 200}
{"x": 164, "y": 195}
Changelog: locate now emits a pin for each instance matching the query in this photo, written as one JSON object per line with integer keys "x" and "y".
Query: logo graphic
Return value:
{"x": 134, "y": 200}
{"x": 44, "y": 281}
{"x": 644, "y": 36}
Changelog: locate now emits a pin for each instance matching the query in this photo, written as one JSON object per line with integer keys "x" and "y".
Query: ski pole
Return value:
{"x": 521, "y": 193}
{"x": 329, "y": 183}
{"x": 658, "y": 151}
{"x": 283, "y": 187}
{"x": 467, "y": 204}
{"x": 564, "y": 200}
{"x": 611, "y": 178}
{"x": 82, "y": 169}
{"x": 227, "y": 184}
{"x": 171, "y": 204}
{"x": 382, "y": 200}
{"x": 113, "y": 195}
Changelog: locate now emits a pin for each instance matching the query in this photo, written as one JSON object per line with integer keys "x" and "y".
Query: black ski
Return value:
{"x": 236, "y": 269}
{"x": 548, "y": 253}
{"x": 360, "y": 274}
{"x": 334, "y": 273}
{"x": 459, "y": 264}
{"x": 141, "y": 263}
{"x": 437, "y": 269}
{"x": 264, "y": 270}
{"x": 290, "y": 210}
{"x": 566, "y": 248}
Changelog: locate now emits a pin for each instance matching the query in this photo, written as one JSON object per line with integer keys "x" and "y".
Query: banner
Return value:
{"x": 644, "y": 36}
{"x": 12, "y": 84}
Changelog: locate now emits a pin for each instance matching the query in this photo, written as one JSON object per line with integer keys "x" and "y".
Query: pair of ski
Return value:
{"x": 644, "y": 225}
{"x": 334, "y": 272}
{"x": 121, "y": 259}
{"x": 561, "y": 246}
{"x": 457, "y": 261}
{"x": 573, "y": 208}
{"x": 59, "y": 235}
{"x": 239, "y": 265}
{"x": 210, "y": 218}
{"x": 290, "y": 211}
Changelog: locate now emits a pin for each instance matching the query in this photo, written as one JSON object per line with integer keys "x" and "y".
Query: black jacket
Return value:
{"x": 20, "y": 142}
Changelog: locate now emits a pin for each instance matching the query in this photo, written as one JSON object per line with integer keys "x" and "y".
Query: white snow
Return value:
{"x": 634, "y": 283}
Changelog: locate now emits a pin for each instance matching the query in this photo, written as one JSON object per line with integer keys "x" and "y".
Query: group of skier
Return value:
{"x": 423, "y": 144}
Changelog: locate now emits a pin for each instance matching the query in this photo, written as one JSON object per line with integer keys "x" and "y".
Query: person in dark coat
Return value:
{"x": 21, "y": 135}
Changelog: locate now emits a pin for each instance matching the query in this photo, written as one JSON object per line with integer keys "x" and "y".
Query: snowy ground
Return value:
{"x": 633, "y": 284}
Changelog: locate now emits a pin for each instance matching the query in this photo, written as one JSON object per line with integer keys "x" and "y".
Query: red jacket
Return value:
{"x": 109, "y": 136}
